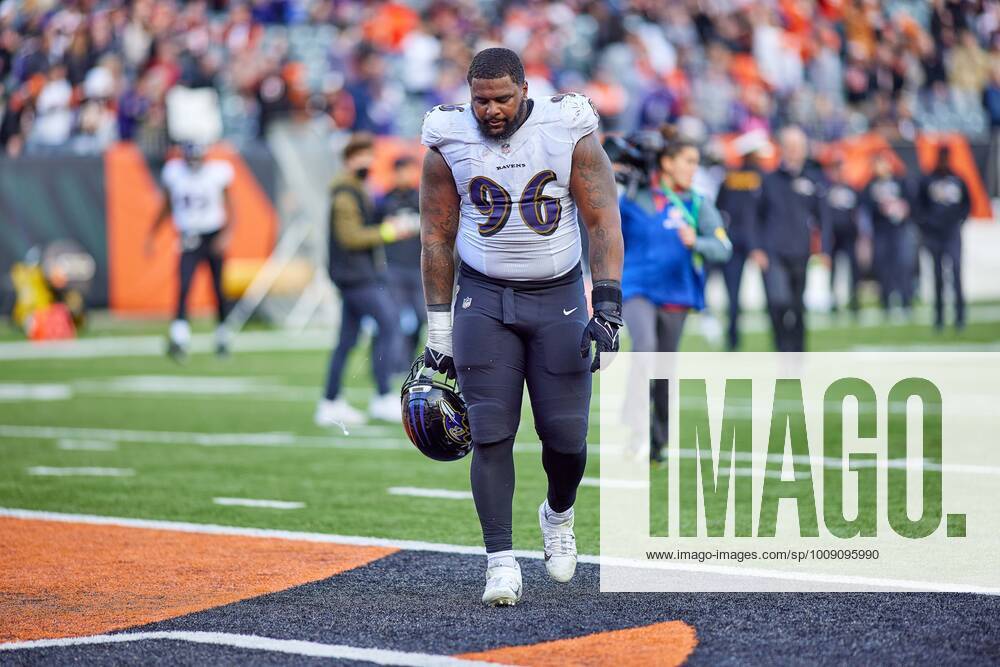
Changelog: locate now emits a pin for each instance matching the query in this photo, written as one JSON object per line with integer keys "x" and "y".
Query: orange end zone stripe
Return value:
{"x": 661, "y": 644}
{"x": 68, "y": 580}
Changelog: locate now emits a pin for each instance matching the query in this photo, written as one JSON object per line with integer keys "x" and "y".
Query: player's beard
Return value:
{"x": 510, "y": 128}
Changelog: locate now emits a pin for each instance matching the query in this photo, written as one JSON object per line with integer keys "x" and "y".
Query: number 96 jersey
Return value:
{"x": 518, "y": 220}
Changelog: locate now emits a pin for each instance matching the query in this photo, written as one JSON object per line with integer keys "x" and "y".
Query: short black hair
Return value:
{"x": 496, "y": 63}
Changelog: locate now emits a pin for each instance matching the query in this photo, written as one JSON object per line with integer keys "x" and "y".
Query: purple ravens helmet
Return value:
{"x": 434, "y": 415}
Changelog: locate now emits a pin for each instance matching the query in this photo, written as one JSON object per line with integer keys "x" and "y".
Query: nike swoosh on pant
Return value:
{"x": 569, "y": 312}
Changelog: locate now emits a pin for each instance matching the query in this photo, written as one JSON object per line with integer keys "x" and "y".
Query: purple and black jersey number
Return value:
{"x": 491, "y": 200}
{"x": 539, "y": 212}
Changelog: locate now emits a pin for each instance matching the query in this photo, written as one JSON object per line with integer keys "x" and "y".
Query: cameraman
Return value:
{"x": 669, "y": 231}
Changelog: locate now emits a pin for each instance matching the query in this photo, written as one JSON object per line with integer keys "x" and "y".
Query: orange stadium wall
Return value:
{"x": 138, "y": 284}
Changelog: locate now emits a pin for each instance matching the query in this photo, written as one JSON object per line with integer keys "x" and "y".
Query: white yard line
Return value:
{"x": 86, "y": 471}
{"x": 253, "y": 642}
{"x": 261, "y": 341}
{"x": 414, "y": 545}
{"x": 429, "y": 493}
{"x": 252, "y": 502}
{"x": 69, "y": 444}
{"x": 370, "y": 437}
{"x": 360, "y": 438}
{"x": 12, "y": 391}
{"x": 614, "y": 483}
{"x": 155, "y": 346}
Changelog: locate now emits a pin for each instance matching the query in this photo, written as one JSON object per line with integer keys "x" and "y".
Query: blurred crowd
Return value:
{"x": 79, "y": 74}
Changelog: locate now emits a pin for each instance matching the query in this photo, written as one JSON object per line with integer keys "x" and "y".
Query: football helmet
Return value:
{"x": 435, "y": 417}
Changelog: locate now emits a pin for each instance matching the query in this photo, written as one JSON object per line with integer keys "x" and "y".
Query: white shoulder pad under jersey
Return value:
{"x": 518, "y": 220}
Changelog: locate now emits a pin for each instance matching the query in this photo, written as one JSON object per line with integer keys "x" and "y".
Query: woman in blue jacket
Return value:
{"x": 669, "y": 232}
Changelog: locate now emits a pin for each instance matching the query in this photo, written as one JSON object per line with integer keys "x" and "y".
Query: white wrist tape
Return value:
{"x": 439, "y": 332}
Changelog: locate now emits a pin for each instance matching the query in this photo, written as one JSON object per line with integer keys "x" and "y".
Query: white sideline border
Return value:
{"x": 421, "y": 492}
{"x": 438, "y": 547}
{"x": 258, "y": 503}
{"x": 254, "y": 642}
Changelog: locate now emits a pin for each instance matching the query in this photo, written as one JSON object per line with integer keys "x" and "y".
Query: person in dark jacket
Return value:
{"x": 669, "y": 230}
{"x": 887, "y": 203}
{"x": 791, "y": 207}
{"x": 944, "y": 204}
{"x": 355, "y": 235}
{"x": 403, "y": 258}
{"x": 738, "y": 201}
{"x": 842, "y": 231}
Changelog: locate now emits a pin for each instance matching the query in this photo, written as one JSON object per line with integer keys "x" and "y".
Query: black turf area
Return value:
{"x": 427, "y": 602}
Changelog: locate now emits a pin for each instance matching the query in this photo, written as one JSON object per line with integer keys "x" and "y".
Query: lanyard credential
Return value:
{"x": 691, "y": 215}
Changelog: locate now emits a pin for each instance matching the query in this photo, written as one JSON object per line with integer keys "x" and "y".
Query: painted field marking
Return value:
{"x": 614, "y": 483}
{"x": 252, "y": 502}
{"x": 182, "y": 384}
{"x": 265, "y": 341}
{"x": 85, "y": 471}
{"x": 289, "y": 646}
{"x": 69, "y": 444}
{"x": 155, "y": 346}
{"x": 11, "y": 391}
{"x": 416, "y": 545}
{"x": 367, "y": 439}
{"x": 429, "y": 493}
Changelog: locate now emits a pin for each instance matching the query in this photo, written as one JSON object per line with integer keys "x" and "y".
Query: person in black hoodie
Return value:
{"x": 403, "y": 258}
{"x": 355, "y": 234}
{"x": 737, "y": 201}
{"x": 943, "y": 205}
{"x": 791, "y": 207}
{"x": 840, "y": 237}
{"x": 887, "y": 204}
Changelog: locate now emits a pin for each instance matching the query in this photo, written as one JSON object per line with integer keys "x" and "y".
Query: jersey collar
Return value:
{"x": 506, "y": 147}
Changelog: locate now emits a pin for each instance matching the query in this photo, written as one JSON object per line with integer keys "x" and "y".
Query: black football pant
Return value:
{"x": 357, "y": 302}
{"x": 785, "y": 285}
{"x": 732, "y": 272}
{"x": 654, "y": 329}
{"x": 507, "y": 334}
{"x": 845, "y": 243}
{"x": 407, "y": 289}
{"x": 947, "y": 249}
{"x": 893, "y": 264}
{"x": 195, "y": 249}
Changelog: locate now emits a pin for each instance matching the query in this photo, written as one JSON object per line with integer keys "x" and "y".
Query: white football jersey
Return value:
{"x": 518, "y": 220}
{"x": 196, "y": 195}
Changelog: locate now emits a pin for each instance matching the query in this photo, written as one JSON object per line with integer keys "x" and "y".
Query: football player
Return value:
{"x": 502, "y": 185}
{"x": 198, "y": 197}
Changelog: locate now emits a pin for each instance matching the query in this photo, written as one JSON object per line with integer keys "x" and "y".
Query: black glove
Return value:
{"x": 606, "y": 323}
{"x": 439, "y": 361}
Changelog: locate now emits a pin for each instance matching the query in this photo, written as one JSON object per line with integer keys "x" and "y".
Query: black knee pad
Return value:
{"x": 565, "y": 434}
{"x": 490, "y": 423}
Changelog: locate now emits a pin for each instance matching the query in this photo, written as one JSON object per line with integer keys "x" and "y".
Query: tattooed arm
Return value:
{"x": 439, "y": 210}
{"x": 592, "y": 184}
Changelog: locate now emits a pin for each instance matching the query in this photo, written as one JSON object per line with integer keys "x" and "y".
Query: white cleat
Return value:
{"x": 503, "y": 586}
{"x": 386, "y": 407}
{"x": 560, "y": 546}
{"x": 337, "y": 413}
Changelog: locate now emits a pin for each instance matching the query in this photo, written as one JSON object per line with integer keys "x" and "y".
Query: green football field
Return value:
{"x": 167, "y": 440}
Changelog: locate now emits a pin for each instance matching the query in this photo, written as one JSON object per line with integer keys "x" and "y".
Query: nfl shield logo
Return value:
{"x": 467, "y": 302}
{"x": 505, "y": 148}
